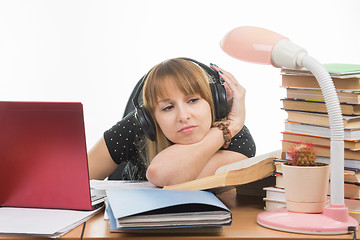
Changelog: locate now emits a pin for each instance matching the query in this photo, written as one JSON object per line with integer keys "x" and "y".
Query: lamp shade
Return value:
{"x": 259, "y": 45}
{"x": 250, "y": 44}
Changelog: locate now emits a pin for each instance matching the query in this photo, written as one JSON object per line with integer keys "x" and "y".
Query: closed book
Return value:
{"x": 275, "y": 198}
{"x": 273, "y": 204}
{"x": 324, "y": 150}
{"x": 351, "y": 190}
{"x": 318, "y": 107}
{"x": 275, "y": 193}
{"x": 349, "y": 96}
{"x": 308, "y": 81}
{"x": 157, "y": 208}
{"x": 339, "y": 70}
{"x": 318, "y": 140}
{"x": 278, "y": 165}
{"x": 351, "y": 135}
{"x": 353, "y": 204}
{"x": 344, "y": 76}
{"x": 352, "y": 175}
{"x": 322, "y": 119}
{"x": 279, "y": 180}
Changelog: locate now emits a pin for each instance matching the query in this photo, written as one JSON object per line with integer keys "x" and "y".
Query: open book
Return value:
{"x": 237, "y": 173}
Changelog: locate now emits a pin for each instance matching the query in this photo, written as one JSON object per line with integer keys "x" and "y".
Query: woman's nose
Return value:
{"x": 183, "y": 113}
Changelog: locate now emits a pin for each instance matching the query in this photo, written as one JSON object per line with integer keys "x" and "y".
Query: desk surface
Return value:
{"x": 244, "y": 226}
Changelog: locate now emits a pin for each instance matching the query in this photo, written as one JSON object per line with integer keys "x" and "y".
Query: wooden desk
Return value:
{"x": 244, "y": 226}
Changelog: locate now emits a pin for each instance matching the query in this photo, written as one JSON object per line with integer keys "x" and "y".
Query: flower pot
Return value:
{"x": 306, "y": 188}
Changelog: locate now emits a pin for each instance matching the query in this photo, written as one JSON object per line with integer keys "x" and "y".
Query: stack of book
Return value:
{"x": 275, "y": 195}
{"x": 307, "y": 119}
{"x": 307, "y": 122}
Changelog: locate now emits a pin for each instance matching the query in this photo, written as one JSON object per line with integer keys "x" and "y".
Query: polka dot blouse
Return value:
{"x": 125, "y": 140}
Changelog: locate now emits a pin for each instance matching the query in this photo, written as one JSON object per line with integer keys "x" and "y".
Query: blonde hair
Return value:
{"x": 188, "y": 77}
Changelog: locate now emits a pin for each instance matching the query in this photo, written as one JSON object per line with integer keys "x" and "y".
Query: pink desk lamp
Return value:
{"x": 258, "y": 45}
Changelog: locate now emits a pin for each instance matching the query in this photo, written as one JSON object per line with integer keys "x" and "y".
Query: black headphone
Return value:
{"x": 146, "y": 122}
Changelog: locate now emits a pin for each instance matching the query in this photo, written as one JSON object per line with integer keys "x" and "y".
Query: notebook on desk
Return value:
{"x": 43, "y": 156}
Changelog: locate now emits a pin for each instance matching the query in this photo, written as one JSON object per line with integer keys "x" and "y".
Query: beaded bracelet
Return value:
{"x": 223, "y": 125}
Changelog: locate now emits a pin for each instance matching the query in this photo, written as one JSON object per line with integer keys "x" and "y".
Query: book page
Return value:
{"x": 248, "y": 162}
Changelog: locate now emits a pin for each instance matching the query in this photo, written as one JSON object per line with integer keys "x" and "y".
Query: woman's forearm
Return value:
{"x": 180, "y": 163}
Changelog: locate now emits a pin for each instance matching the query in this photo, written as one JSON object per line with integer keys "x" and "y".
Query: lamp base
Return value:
{"x": 333, "y": 220}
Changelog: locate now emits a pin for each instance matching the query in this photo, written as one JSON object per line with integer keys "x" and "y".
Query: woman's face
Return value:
{"x": 183, "y": 119}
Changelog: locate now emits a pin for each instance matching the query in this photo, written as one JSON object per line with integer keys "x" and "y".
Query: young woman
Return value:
{"x": 189, "y": 142}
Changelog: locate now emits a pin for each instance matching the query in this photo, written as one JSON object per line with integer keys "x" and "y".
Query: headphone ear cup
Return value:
{"x": 220, "y": 100}
{"x": 146, "y": 122}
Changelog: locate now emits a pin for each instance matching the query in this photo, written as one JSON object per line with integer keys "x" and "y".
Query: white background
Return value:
{"x": 94, "y": 51}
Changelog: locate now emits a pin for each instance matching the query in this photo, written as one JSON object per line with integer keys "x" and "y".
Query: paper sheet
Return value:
{"x": 41, "y": 222}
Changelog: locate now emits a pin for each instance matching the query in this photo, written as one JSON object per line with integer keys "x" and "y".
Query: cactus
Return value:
{"x": 302, "y": 154}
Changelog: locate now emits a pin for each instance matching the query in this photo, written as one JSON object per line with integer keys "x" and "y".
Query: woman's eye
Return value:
{"x": 192, "y": 100}
{"x": 167, "y": 108}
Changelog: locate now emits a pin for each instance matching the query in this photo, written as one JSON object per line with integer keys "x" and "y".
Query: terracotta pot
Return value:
{"x": 306, "y": 188}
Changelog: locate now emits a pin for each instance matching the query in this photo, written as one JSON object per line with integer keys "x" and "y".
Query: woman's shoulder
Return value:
{"x": 125, "y": 127}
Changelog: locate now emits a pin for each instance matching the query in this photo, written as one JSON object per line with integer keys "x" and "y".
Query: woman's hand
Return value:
{"x": 236, "y": 97}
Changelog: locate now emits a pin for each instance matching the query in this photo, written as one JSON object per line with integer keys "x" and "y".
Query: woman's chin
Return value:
{"x": 191, "y": 140}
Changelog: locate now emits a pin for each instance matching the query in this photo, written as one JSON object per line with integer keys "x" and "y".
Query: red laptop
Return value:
{"x": 43, "y": 156}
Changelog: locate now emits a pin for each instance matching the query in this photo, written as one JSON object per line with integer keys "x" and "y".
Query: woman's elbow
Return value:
{"x": 152, "y": 174}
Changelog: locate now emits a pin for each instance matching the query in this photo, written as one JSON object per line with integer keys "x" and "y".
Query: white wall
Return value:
{"x": 94, "y": 51}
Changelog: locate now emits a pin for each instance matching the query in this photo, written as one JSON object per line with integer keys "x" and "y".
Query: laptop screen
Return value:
{"x": 43, "y": 156}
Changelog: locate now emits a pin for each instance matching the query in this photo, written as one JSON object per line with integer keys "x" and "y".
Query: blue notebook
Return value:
{"x": 157, "y": 208}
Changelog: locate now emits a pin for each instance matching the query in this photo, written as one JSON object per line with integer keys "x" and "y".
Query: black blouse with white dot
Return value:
{"x": 126, "y": 139}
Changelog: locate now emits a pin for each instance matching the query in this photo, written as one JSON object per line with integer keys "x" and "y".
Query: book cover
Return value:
{"x": 321, "y": 119}
{"x": 237, "y": 173}
{"x": 157, "y": 208}
{"x": 318, "y": 140}
{"x": 351, "y": 96}
{"x": 318, "y": 107}
{"x": 302, "y": 81}
{"x": 275, "y": 198}
{"x": 353, "y": 204}
{"x": 273, "y": 204}
{"x": 275, "y": 193}
{"x": 352, "y": 190}
{"x": 352, "y": 175}
{"x": 313, "y": 130}
{"x": 279, "y": 180}
{"x": 334, "y": 69}
{"x": 324, "y": 150}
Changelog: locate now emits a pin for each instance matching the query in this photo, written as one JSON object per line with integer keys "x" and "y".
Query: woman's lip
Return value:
{"x": 187, "y": 129}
